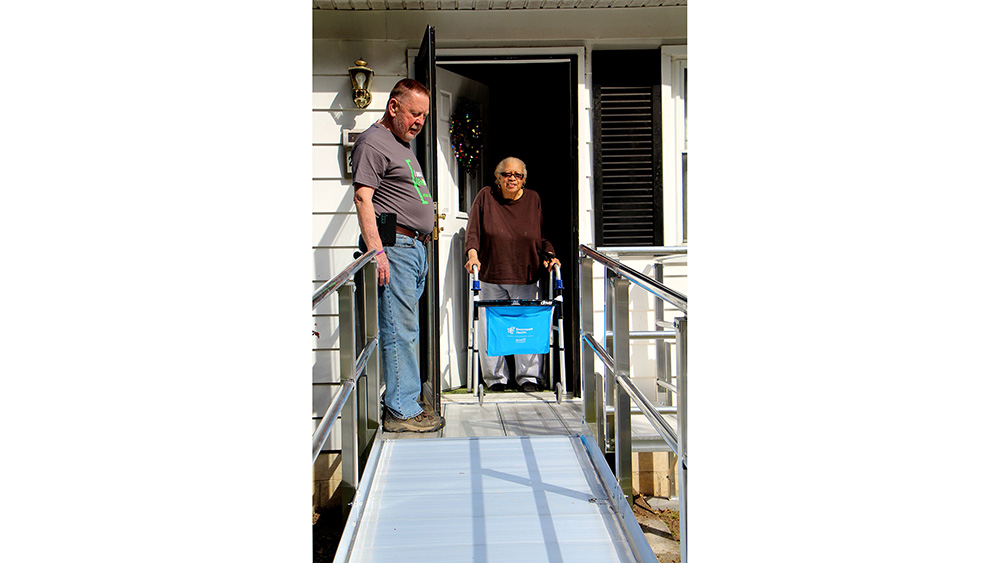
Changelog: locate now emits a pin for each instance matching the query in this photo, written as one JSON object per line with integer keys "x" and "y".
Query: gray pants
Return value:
{"x": 494, "y": 368}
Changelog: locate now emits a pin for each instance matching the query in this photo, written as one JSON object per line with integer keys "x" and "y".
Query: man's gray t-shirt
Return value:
{"x": 382, "y": 161}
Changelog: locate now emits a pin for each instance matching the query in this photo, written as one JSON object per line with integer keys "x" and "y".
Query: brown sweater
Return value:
{"x": 508, "y": 236}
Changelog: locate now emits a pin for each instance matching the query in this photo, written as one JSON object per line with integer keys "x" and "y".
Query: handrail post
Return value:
{"x": 560, "y": 331}
{"x": 552, "y": 340}
{"x": 609, "y": 345}
{"x": 664, "y": 371}
{"x": 360, "y": 388}
{"x": 662, "y": 347}
{"x": 349, "y": 416}
{"x": 680, "y": 323}
{"x": 372, "y": 375}
{"x": 623, "y": 403}
{"x": 593, "y": 398}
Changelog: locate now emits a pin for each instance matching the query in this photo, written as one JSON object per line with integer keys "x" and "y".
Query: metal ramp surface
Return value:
{"x": 490, "y": 500}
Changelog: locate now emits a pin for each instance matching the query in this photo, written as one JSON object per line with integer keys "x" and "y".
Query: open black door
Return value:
{"x": 426, "y": 148}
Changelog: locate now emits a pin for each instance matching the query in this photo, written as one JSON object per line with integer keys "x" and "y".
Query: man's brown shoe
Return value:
{"x": 439, "y": 420}
{"x": 423, "y": 422}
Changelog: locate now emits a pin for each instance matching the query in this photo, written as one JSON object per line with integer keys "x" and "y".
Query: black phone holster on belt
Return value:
{"x": 386, "y": 223}
{"x": 386, "y": 228}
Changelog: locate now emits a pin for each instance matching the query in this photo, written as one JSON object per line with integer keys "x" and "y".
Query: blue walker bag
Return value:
{"x": 522, "y": 329}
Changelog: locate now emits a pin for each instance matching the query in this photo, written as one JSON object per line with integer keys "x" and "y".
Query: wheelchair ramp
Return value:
{"x": 489, "y": 499}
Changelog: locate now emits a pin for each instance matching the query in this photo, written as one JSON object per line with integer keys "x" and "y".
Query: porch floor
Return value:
{"x": 525, "y": 414}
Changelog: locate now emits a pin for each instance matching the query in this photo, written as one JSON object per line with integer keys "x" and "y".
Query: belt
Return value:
{"x": 404, "y": 231}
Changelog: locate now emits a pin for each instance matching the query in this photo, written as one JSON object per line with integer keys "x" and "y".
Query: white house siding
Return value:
{"x": 382, "y": 39}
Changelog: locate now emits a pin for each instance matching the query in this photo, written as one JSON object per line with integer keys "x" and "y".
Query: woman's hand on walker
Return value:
{"x": 473, "y": 261}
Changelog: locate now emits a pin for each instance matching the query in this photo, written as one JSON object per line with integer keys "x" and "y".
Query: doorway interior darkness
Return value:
{"x": 532, "y": 116}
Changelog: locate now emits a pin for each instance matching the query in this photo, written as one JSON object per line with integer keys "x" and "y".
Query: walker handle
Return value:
{"x": 558, "y": 281}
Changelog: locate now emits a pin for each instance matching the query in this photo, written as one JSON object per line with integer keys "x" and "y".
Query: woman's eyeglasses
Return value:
{"x": 516, "y": 175}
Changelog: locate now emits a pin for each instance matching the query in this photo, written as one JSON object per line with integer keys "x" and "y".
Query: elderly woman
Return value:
{"x": 504, "y": 240}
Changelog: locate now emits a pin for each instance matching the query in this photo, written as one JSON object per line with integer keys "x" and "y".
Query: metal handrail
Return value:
{"x": 654, "y": 251}
{"x": 359, "y": 365}
{"x": 663, "y": 259}
{"x": 332, "y": 413}
{"x": 340, "y": 279}
{"x": 675, "y": 298}
{"x": 337, "y": 405}
{"x": 636, "y": 410}
{"x": 647, "y": 408}
{"x": 356, "y": 403}
{"x": 605, "y": 358}
{"x": 601, "y": 416}
{"x": 666, "y": 386}
{"x": 652, "y": 334}
{"x": 659, "y": 424}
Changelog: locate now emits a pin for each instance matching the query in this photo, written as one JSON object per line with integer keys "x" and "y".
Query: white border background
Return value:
{"x": 156, "y": 318}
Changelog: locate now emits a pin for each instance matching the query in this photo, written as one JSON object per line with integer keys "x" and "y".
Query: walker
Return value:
{"x": 517, "y": 326}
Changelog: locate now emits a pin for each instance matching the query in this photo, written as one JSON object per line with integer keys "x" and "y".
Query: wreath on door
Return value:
{"x": 467, "y": 136}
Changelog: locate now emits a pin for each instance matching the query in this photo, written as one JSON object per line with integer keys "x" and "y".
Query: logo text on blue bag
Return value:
{"x": 518, "y": 329}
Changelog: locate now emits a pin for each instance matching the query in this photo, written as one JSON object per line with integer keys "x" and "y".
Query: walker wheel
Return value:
{"x": 559, "y": 393}
{"x": 481, "y": 394}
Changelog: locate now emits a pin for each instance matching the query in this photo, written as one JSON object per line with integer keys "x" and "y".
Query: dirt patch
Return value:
{"x": 327, "y": 529}
{"x": 661, "y": 528}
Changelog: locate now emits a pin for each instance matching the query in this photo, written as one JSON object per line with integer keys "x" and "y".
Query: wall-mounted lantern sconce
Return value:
{"x": 361, "y": 79}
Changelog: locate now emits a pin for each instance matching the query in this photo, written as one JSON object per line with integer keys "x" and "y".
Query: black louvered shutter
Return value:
{"x": 627, "y": 141}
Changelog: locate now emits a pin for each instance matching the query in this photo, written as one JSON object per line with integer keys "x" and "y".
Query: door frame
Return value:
{"x": 583, "y": 223}
{"x": 423, "y": 68}
{"x": 456, "y": 290}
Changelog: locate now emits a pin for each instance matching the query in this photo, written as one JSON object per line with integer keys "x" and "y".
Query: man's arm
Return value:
{"x": 369, "y": 230}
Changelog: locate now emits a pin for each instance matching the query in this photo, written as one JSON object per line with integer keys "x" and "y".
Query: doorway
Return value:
{"x": 530, "y": 113}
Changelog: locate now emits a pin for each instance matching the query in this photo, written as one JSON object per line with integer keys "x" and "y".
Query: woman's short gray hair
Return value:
{"x": 496, "y": 171}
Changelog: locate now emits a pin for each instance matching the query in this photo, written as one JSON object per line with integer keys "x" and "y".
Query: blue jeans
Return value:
{"x": 399, "y": 325}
